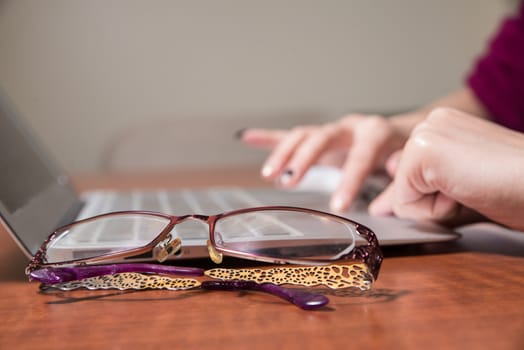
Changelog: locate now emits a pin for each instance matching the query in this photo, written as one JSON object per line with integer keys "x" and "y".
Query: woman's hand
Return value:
{"x": 358, "y": 144}
{"x": 454, "y": 160}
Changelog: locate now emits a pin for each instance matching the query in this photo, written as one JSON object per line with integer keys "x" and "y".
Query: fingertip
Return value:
{"x": 339, "y": 203}
{"x": 291, "y": 179}
{"x": 345, "y": 194}
{"x": 239, "y": 134}
{"x": 382, "y": 204}
{"x": 267, "y": 171}
{"x": 285, "y": 179}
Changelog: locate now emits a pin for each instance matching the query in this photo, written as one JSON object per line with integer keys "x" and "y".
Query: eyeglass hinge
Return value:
{"x": 163, "y": 250}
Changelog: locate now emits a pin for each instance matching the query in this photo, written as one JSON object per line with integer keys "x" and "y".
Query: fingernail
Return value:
{"x": 286, "y": 177}
{"x": 267, "y": 171}
{"x": 337, "y": 204}
{"x": 239, "y": 133}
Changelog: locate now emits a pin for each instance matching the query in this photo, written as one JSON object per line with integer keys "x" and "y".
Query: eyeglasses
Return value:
{"x": 79, "y": 255}
{"x": 275, "y": 234}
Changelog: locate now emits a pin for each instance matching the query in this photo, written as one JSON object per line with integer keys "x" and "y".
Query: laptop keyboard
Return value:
{"x": 214, "y": 200}
{"x": 207, "y": 202}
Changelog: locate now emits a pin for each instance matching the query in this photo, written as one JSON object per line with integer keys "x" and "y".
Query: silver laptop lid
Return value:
{"x": 35, "y": 195}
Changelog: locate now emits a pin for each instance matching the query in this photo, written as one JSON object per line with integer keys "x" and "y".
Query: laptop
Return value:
{"x": 36, "y": 197}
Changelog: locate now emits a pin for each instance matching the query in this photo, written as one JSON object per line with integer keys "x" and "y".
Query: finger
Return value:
{"x": 358, "y": 166}
{"x": 392, "y": 163}
{"x": 418, "y": 181}
{"x": 435, "y": 207}
{"x": 276, "y": 163}
{"x": 312, "y": 148}
{"x": 261, "y": 138}
{"x": 382, "y": 205}
{"x": 283, "y": 151}
{"x": 334, "y": 158}
{"x": 368, "y": 140}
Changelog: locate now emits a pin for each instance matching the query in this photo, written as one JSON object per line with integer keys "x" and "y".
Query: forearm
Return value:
{"x": 463, "y": 100}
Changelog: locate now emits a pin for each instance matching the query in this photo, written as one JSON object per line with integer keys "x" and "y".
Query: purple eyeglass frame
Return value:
{"x": 370, "y": 254}
{"x": 55, "y": 273}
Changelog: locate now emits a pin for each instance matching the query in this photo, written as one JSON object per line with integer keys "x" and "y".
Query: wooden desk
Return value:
{"x": 468, "y": 294}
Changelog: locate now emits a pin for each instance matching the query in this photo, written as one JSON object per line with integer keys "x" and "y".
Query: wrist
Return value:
{"x": 404, "y": 123}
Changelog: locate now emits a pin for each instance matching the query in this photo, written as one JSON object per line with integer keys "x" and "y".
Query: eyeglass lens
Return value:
{"x": 269, "y": 234}
{"x": 105, "y": 235}
{"x": 284, "y": 235}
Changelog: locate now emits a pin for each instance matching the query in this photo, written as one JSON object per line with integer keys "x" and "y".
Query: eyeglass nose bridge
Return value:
{"x": 214, "y": 254}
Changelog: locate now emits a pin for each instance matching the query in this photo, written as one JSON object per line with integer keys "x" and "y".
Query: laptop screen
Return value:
{"x": 21, "y": 167}
{"x": 34, "y": 193}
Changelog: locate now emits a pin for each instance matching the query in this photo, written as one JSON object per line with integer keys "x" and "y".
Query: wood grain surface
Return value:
{"x": 467, "y": 294}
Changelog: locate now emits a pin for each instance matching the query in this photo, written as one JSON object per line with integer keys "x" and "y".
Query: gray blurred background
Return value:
{"x": 145, "y": 85}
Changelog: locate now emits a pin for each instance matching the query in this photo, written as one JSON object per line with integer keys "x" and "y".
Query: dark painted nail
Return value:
{"x": 239, "y": 133}
{"x": 285, "y": 177}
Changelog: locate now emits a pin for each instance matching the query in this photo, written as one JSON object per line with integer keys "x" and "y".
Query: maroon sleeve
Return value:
{"x": 497, "y": 79}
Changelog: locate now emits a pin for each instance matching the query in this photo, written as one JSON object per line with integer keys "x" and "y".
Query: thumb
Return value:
{"x": 435, "y": 206}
